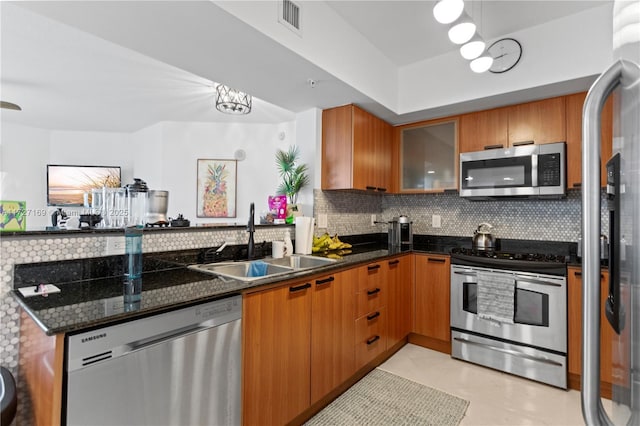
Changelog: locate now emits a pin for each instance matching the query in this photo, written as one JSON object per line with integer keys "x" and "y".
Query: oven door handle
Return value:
{"x": 508, "y": 351}
{"x": 536, "y": 281}
{"x": 467, "y": 273}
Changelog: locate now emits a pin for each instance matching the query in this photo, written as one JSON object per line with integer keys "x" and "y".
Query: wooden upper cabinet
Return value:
{"x": 574, "y": 106}
{"x": 428, "y": 156}
{"x": 356, "y": 150}
{"x": 540, "y": 121}
{"x": 483, "y": 129}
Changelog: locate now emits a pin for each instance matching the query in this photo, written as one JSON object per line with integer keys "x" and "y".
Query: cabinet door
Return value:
{"x": 574, "y": 282}
{"x": 540, "y": 122}
{"x": 483, "y": 129}
{"x": 332, "y": 332}
{"x": 432, "y": 295}
{"x": 574, "y": 104}
{"x": 428, "y": 156}
{"x": 276, "y": 354}
{"x": 399, "y": 282}
{"x": 337, "y": 138}
{"x": 371, "y": 151}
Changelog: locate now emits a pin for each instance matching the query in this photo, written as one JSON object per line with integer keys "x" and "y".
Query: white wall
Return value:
{"x": 164, "y": 155}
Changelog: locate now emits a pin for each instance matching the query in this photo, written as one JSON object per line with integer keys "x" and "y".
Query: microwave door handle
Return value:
{"x": 592, "y": 409}
{"x": 534, "y": 170}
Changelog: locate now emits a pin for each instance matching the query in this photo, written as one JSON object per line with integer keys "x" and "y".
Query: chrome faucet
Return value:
{"x": 251, "y": 228}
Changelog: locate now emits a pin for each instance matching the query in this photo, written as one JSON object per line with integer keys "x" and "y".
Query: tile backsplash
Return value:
{"x": 552, "y": 220}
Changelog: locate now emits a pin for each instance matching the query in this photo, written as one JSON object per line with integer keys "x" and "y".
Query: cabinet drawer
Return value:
{"x": 370, "y": 299}
{"x": 370, "y": 336}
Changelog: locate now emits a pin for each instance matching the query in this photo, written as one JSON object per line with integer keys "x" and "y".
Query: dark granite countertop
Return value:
{"x": 93, "y": 302}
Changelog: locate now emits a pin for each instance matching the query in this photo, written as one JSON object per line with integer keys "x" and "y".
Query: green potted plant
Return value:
{"x": 294, "y": 178}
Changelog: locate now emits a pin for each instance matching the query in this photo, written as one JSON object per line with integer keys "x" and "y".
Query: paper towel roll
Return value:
{"x": 304, "y": 234}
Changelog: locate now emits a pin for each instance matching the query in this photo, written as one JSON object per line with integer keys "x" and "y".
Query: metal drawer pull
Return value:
{"x": 373, "y": 339}
{"x": 579, "y": 274}
{"x": 469, "y": 274}
{"x": 373, "y": 316}
{"x": 370, "y": 188}
{"x": 381, "y": 189}
{"x": 435, "y": 259}
{"x": 299, "y": 288}
{"x": 508, "y": 351}
{"x": 494, "y": 146}
{"x": 325, "y": 281}
{"x": 523, "y": 143}
{"x": 372, "y": 292}
{"x": 393, "y": 262}
{"x": 373, "y": 267}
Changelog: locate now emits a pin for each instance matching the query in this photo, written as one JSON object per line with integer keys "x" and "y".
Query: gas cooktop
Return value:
{"x": 548, "y": 263}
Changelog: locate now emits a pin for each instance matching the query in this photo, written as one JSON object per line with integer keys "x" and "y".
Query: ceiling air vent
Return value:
{"x": 289, "y": 15}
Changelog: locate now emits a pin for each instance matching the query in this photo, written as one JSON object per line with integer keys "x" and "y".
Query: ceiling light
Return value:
{"x": 462, "y": 30}
{"x": 473, "y": 48}
{"x": 447, "y": 11}
{"x": 481, "y": 64}
{"x": 232, "y": 101}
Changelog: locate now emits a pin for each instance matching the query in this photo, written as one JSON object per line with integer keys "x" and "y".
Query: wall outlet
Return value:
{"x": 115, "y": 246}
{"x": 322, "y": 220}
{"x": 436, "y": 221}
{"x": 373, "y": 220}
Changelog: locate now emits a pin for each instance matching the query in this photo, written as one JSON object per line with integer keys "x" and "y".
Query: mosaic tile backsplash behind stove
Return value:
{"x": 552, "y": 220}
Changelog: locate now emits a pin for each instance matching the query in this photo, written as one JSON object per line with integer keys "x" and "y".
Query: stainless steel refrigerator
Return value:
{"x": 622, "y": 307}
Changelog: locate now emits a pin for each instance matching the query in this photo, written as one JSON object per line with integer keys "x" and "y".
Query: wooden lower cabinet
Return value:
{"x": 399, "y": 272}
{"x": 432, "y": 301}
{"x": 574, "y": 284}
{"x": 332, "y": 332}
{"x": 371, "y": 317}
{"x": 276, "y": 354}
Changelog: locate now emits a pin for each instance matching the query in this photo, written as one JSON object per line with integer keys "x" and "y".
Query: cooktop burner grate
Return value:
{"x": 547, "y": 263}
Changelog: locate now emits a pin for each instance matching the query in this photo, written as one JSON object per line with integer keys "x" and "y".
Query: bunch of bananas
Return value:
{"x": 327, "y": 243}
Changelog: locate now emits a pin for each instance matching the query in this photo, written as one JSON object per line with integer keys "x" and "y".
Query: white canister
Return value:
{"x": 277, "y": 249}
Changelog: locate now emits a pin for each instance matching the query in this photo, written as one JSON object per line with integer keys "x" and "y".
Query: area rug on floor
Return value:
{"x": 382, "y": 398}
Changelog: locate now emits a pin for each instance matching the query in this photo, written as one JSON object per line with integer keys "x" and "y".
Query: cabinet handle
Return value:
{"x": 393, "y": 262}
{"x": 523, "y": 143}
{"x": 372, "y": 292}
{"x": 373, "y": 267}
{"x": 435, "y": 259}
{"x": 577, "y": 185}
{"x": 579, "y": 274}
{"x": 370, "y": 188}
{"x": 325, "y": 281}
{"x": 493, "y": 146}
{"x": 373, "y": 316}
{"x": 373, "y": 339}
{"x": 382, "y": 189}
{"x": 299, "y": 288}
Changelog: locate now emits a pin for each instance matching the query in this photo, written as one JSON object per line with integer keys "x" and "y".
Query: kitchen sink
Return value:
{"x": 298, "y": 261}
{"x": 274, "y": 267}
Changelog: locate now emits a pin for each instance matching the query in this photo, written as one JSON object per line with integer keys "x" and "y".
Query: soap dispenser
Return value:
{"x": 288, "y": 244}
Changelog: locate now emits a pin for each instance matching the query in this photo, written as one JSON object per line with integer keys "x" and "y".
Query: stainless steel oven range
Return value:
{"x": 509, "y": 312}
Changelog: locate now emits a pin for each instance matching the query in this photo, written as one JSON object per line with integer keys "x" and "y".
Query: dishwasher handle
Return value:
{"x": 170, "y": 335}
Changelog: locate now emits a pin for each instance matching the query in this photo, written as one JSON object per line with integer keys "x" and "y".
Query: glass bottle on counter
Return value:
{"x": 133, "y": 264}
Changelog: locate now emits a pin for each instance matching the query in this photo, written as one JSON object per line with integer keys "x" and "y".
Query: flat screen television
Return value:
{"x": 66, "y": 184}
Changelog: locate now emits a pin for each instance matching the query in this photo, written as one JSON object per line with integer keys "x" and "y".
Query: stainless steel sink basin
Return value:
{"x": 274, "y": 267}
{"x": 300, "y": 261}
{"x": 240, "y": 270}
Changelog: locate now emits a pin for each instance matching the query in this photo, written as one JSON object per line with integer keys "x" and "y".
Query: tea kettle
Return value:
{"x": 482, "y": 238}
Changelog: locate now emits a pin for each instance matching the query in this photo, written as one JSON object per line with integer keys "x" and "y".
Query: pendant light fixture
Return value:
{"x": 473, "y": 48}
{"x": 232, "y": 101}
{"x": 462, "y": 29}
{"x": 447, "y": 11}
{"x": 481, "y": 63}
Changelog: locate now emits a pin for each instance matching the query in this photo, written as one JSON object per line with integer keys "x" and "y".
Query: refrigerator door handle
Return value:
{"x": 592, "y": 409}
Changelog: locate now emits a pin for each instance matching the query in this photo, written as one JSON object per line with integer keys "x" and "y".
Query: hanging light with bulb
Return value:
{"x": 462, "y": 29}
{"x": 447, "y": 11}
{"x": 473, "y": 48}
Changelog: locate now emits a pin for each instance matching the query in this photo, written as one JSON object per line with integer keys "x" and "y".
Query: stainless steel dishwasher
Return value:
{"x": 177, "y": 368}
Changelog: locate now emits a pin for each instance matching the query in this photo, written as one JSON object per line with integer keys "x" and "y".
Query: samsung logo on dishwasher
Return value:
{"x": 94, "y": 337}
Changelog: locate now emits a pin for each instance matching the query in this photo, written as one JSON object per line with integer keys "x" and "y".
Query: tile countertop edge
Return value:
{"x": 238, "y": 287}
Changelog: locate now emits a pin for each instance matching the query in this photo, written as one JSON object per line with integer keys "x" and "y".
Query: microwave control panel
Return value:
{"x": 549, "y": 169}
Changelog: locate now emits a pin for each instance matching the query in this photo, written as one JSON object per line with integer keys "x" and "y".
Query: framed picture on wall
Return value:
{"x": 216, "y": 192}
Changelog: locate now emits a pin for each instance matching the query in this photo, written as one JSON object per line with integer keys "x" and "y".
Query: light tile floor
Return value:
{"x": 495, "y": 398}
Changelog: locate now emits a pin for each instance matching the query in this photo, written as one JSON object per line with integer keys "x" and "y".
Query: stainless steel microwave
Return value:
{"x": 531, "y": 171}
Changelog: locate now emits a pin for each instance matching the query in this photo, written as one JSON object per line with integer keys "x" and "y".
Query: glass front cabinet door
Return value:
{"x": 428, "y": 157}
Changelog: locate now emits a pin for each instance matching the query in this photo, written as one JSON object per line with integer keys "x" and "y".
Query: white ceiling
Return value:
{"x": 77, "y": 66}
